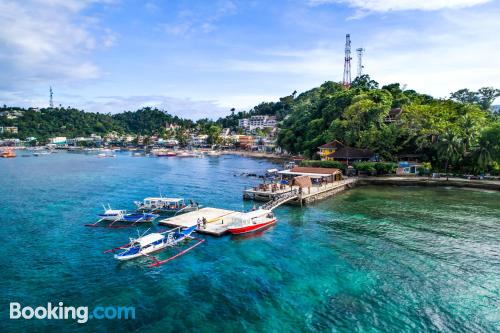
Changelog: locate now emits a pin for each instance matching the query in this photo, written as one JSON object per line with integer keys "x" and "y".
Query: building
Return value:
{"x": 337, "y": 151}
{"x": 255, "y": 122}
{"x": 8, "y": 129}
{"x": 58, "y": 140}
{"x": 317, "y": 175}
{"x": 329, "y": 148}
{"x": 394, "y": 115}
{"x": 246, "y": 141}
{"x": 199, "y": 140}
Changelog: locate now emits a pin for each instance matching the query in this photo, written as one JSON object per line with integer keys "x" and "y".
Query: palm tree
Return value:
{"x": 450, "y": 148}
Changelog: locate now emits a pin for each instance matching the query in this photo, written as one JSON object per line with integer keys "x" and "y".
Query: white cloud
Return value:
{"x": 48, "y": 40}
{"x": 192, "y": 21}
{"x": 397, "y": 5}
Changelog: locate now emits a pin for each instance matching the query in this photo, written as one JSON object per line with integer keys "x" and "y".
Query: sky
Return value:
{"x": 199, "y": 59}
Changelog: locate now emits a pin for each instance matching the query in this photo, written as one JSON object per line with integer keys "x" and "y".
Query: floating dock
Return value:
{"x": 214, "y": 216}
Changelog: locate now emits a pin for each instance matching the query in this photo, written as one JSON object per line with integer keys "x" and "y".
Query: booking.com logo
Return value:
{"x": 80, "y": 314}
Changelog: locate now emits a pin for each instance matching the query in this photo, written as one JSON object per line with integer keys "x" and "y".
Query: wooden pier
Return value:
{"x": 296, "y": 195}
{"x": 215, "y": 220}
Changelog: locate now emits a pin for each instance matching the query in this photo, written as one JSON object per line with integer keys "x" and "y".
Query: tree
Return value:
{"x": 487, "y": 96}
{"x": 449, "y": 148}
{"x": 465, "y": 96}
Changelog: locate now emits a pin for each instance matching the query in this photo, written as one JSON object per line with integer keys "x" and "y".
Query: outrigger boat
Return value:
{"x": 153, "y": 242}
{"x": 116, "y": 215}
{"x": 166, "y": 205}
{"x": 242, "y": 223}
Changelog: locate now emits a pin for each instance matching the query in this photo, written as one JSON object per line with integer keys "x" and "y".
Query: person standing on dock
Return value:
{"x": 198, "y": 224}
{"x": 204, "y": 223}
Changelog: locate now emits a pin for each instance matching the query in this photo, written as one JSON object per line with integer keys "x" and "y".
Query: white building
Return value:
{"x": 58, "y": 140}
{"x": 255, "y": 122}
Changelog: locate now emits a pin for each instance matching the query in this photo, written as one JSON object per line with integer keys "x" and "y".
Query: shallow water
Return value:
{"x": 373, "y": 259}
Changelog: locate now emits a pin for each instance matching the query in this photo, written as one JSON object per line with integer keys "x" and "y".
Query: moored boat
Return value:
{"x": 8, "y": 153}
{"x": 242, "y": 223}
{"x": 153, "y": 242}
{"x": 119, "y": 215}
{"x": 166, "y": 205}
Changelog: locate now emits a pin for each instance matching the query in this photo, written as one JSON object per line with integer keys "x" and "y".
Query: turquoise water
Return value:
{"x": 374, "y": 259}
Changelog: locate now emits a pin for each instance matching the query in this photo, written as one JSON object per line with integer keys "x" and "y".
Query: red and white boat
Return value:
{"x": 242, "y": 223}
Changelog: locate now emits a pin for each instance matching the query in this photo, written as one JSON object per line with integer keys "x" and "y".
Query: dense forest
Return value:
{"x": 71, "y": 122}
{"x": 460, "y": 132}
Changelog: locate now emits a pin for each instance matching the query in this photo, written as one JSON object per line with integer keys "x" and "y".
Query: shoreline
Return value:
{"x": 254, "y": 154}
{"x": 430, "y": 182}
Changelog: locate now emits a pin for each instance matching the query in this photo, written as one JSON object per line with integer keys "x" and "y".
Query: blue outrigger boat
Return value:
{"x": 153, "y": 242}
{"x": 116, "y": 215}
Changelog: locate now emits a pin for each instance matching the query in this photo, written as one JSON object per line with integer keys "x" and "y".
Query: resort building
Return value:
{"x": 329, "y": 148}
{"x": 337, "y": 151}
{"x": 255, "y": 122}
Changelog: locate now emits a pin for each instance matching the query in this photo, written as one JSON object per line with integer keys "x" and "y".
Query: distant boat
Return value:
{"x": 165, "y": 205}
{"x": 8, "y": 153}
{"x": 103, "y": 155}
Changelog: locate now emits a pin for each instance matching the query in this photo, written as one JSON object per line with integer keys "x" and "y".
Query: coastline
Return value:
{"x": 254, "y": 154}
{"x": 431, "y": 182}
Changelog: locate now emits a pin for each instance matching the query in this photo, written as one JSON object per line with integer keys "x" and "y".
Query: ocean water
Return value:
{"x": 373, "y": 259}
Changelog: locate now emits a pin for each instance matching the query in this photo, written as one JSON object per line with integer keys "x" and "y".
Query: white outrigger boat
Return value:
{"x": 118, "y": 215}
{"x": 153, "y": 242}
{"x": 166, "y": 205}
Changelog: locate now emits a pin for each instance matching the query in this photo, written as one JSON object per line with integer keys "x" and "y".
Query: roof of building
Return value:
{"x": 351, "y": 153}
{"x": 395, "y": 112}
{"x": 302, "y": 181}
{"x": 334, "y": 144}
{"x": 310, "y": 171}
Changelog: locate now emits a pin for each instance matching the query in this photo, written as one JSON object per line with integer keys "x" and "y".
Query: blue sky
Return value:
{"x": 201, "y": 58}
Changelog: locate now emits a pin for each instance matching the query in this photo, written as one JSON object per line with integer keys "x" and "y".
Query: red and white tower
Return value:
{"x": 346, "y": 81}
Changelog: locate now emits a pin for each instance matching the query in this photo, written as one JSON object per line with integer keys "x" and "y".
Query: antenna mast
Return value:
{"x": 51, "y": 100}
{"x": 360, "y": 52}
{"x": 346, "y": 82}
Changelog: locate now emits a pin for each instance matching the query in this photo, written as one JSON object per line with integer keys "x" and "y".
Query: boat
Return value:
{"x": 213, "y": 153}
{"x": 154, "y": 242}
{"x": 43, "y": 153}
{"x": 104, "y": 155}
{"x": 8, "y": 153}
{"x": 166, "y": 205}
{"x": 118, "y": 215}
{"x": 242, "y": 223}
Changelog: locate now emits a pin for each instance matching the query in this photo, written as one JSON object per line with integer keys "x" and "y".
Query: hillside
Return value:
{"x": 72, "y": 122}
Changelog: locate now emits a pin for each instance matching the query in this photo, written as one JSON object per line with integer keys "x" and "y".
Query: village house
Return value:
{"x": 337, "y": 151}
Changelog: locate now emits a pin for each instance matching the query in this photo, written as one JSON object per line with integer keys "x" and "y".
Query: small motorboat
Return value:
{"x": 242, "y": 223}
{"x": 8, "y": 153}
{"x": 153, "y": 242}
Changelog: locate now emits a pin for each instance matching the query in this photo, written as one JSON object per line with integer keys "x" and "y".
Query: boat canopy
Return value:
{"x": 164, "y": 199}
{"x": 250, "y": 215}
{"x": 148, "y": 239}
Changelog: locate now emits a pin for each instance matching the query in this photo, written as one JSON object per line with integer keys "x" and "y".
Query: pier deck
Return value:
{"x": 214, "y": 216}
{"x": 306, "y": 195}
